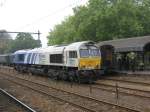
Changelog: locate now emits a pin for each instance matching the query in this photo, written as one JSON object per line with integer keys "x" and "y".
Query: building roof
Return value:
{"x": 128, "y": 44}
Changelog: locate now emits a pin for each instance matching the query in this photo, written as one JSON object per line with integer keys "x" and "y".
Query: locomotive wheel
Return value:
{"x": 90, "y": 74}
{"x": 63, "y": 75}
{"x": 56, "y": 77}
{"x": 51, "y": 74}
{"x": 78, "y": 77}
{"x": 45, "y": 71}
{"x": 71, "y": 76}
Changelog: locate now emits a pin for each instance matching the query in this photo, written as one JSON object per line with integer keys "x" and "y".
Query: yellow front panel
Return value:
{"x": 89, "y": 63}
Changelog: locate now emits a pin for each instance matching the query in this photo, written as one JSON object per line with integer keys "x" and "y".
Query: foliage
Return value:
{"x": 5, "y": 40}
{"x": 23, "y": 41}
{"x": 63, "y": 32}
{"x": 104, "y": 20}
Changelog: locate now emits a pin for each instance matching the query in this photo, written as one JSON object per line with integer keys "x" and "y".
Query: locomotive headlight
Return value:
{"x": 97, "y": 66}
{"x": 83, "y": 66}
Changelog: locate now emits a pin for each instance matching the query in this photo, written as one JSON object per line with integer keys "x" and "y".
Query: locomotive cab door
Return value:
{"x": 72, "y": 58}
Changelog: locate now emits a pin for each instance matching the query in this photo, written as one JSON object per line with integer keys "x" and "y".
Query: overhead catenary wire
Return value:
{"x": 37, "y": 33}
{"x": 52, "y": 14}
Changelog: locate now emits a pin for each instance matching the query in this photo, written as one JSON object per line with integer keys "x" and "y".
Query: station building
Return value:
{"x": 116, "y": 53}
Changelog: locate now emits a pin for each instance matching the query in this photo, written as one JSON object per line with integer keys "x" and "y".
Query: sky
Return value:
{"x": 34, "y": 15}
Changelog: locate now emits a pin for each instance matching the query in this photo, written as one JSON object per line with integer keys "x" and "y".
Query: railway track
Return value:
{"x": 128, "y": 81}
{"x": 83, "y": 102}
{"x": 123, "y": 89}
{"x": 17, "y": 105}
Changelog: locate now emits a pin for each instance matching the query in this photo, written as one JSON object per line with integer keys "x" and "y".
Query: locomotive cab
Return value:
{"x": 90, "y": 61}
{"x": 85, "y": 60}
{"x": 89, "y": 58}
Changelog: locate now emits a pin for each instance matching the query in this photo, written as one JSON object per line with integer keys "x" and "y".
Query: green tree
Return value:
{"x": 104, "y": 20}
{"x": 24, "y": 41}
{"x": 5, "y": 40}
{"x": 62, "y": 33}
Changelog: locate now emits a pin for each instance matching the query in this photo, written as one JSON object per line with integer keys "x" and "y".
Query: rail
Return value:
{"x": 17, "y": 101}
{"x": 87, "y": 97}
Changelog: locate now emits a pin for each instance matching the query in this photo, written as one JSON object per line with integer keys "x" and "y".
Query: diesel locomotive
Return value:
{"x": 79, "y": 61}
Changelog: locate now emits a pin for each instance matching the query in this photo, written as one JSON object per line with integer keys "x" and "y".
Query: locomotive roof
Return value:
{"x": 77, "y": 45}
{"x": 21, "y": 51}
{"x": 128, "y": 44}
{"x": 35, "y": 50}
{"x": 56, "y": 48}
{"x": 61, "y": 48}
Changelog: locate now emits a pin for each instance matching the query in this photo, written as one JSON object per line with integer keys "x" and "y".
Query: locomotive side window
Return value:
{"x": 21, "y": 57}
{"x": 35, "y": 58}
{"x": 72, "y": 54}
{"x": 28, "y": 59}
{"x": 32, "y": 59}
{"x": 56, "y": 58}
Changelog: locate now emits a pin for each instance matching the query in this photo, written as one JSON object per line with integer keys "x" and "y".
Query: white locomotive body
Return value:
{"x": 79, "y": 61}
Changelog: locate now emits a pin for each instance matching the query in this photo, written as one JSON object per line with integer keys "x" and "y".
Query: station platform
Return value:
{"x": 135, "y": 73}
